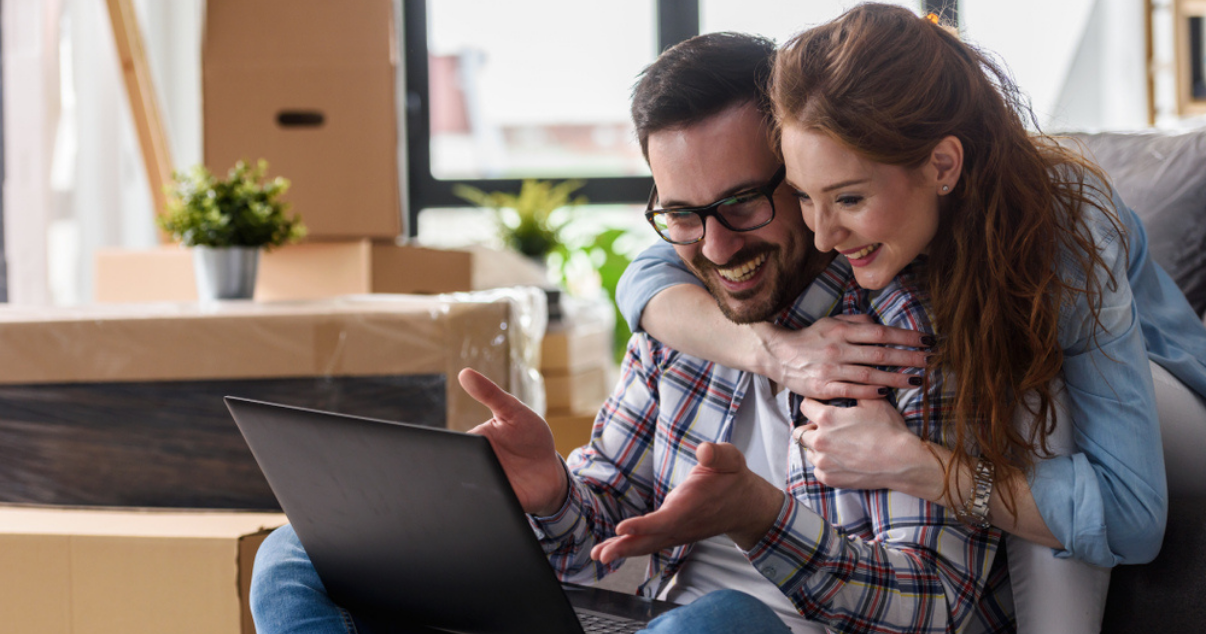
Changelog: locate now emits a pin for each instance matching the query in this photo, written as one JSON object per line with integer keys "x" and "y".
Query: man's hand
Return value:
{"x": 720, "y": 496}
{"x": 867, "y": 446}
{"x": 523, "y": 443}
{"x": 836, "y": 357}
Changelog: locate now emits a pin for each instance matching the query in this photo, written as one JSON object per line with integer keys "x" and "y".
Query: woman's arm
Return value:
{"x": 832, "y": 358}
{"x": 1105, "y": 503}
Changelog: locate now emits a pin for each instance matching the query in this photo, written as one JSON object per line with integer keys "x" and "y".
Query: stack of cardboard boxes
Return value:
{"x": 308, "y": 85}
{"x": 121, "y": 405}
{"x": 576, "y": 361}
{"x": 103, "y": 407}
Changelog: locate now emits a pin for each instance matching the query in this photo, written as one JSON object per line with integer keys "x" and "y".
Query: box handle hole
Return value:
{"x": 299, "y": 119}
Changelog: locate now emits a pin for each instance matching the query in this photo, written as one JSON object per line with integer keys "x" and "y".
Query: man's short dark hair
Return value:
{"x": 701, "y": 77}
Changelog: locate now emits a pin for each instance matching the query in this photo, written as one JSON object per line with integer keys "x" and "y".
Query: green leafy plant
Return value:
{"x": 243, "y": 210}
{"x": 527, "y": 221}
{"x": 532, "y": 223}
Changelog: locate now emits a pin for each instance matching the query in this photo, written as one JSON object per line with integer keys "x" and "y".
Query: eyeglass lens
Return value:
{"x": 739, "y": 213}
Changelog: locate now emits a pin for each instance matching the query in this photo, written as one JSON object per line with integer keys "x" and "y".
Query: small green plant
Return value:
{"x": 242, "y": 211}
{"x": 526, "y": 221}
{"x": 532, "y": 223}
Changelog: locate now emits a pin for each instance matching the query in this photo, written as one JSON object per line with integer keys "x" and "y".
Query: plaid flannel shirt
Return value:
{"x": 855, "y": 560}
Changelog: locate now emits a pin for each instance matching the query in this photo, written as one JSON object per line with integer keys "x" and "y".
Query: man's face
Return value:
{"x": 752, "y": 274}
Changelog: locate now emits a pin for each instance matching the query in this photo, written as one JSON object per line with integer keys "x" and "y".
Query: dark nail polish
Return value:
{"x": 883, "y": 391}
{"x": 914, "y": 380}
{"x": 928, "y": 340}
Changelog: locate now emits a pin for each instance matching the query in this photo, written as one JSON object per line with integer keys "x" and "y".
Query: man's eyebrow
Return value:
{"x": 736, "y": 189}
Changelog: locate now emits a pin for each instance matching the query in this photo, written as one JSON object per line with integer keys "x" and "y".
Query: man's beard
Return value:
{"x": 777, "y": 289}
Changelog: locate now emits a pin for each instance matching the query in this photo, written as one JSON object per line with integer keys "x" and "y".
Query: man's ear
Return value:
{"x": 947, "y": 161}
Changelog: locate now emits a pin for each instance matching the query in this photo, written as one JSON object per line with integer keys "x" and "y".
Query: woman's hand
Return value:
{"x": 868, "y": 446}
{"x": 837, "y": 357}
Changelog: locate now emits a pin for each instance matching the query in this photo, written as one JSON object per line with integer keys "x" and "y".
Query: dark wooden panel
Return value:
{"x": 171, "y": 444}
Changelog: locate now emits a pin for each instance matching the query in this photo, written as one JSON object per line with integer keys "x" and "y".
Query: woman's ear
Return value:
{"x": 947, "y": 161}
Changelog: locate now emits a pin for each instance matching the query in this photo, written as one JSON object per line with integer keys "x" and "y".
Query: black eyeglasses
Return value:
{"x": 744, "y": 211}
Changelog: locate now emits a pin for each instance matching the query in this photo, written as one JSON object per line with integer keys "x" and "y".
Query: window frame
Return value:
{"x": 676, "y": 21}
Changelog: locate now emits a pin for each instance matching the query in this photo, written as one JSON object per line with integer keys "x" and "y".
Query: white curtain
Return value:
{"x": 1082, "y": 62}
{"x": 76, "y": 180}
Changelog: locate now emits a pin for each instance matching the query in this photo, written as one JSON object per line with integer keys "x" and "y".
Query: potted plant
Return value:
{"x": 227, "y": 223}
{"x": 526, "y": 221}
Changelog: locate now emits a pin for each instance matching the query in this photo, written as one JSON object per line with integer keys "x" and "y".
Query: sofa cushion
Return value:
{"x": 1161, "y": 177}
{"x": 1165, "y": 595}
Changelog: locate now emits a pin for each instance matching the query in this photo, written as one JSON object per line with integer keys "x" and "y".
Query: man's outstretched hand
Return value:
{"x": 523, "y": 443}
{"x": 720, "y": 496}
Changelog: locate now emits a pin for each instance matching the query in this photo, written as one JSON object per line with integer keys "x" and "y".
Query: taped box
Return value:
{"x": 121, "y": 405}
{"x": 581, "y": 392}
{"x": 571, "y": 349}
{"x": 313, "y": 270}
{"x": 570, "y": 431}
{"x": 74, "y": 571}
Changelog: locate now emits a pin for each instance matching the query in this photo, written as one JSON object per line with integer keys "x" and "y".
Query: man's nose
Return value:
{"x": 719, "y": 243}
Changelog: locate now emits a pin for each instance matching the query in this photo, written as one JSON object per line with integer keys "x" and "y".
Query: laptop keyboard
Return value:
{"x": 599, "y": 623}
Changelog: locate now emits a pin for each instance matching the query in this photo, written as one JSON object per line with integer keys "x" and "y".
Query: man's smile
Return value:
{"x": 744, "y": 271}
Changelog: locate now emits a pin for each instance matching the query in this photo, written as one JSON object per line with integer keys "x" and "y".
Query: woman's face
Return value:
{"x": 879, "y": 217}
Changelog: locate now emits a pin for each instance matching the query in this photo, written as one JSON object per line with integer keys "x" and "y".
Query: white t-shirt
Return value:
{"x": 762, "y": 431}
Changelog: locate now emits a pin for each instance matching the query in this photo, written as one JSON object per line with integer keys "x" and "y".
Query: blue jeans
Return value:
{"x": 288, "y": 597}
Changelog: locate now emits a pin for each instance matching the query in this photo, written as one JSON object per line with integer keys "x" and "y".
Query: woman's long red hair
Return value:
{"x": 889, "y": 85}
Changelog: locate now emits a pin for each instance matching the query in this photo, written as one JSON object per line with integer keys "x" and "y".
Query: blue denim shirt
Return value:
{"x": 1106, "y": 503}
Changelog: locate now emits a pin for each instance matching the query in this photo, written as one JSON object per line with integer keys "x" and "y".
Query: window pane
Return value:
{"x": 776, "y": 19}
{"x": 535, "y": 88}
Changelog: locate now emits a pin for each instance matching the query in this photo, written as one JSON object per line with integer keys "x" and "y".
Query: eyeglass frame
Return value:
{"x": 767, "y": 190}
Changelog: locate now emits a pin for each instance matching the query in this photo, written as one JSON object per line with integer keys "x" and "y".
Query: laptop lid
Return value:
{"x": 406, "y": 523}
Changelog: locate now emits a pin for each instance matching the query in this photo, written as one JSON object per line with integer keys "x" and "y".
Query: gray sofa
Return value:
{"x": 1163, "y": 178}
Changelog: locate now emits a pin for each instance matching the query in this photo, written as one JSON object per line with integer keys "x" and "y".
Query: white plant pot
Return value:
{"x": 225, "y": 273}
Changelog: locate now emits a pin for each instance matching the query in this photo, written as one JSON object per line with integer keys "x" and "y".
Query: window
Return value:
{"x": 496, "y": 92}
{"x": 779, "y": 20}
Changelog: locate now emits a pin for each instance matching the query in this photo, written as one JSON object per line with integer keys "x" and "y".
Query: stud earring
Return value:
{"x": 946, "y": 188}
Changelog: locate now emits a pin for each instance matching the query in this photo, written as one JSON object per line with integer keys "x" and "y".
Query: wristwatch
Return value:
{"x": 974, "y": 511}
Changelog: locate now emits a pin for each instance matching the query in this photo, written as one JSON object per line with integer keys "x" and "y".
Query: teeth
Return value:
{"x": 743, "y": 272}
{"x": 862, "y": 253}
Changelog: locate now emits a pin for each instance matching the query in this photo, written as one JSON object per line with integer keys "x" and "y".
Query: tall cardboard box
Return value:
{"x": 309, "y": 86}
{"x": 74, "y": 571}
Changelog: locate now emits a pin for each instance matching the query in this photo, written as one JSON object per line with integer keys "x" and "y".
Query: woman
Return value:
{"x": 1026, "y": 266}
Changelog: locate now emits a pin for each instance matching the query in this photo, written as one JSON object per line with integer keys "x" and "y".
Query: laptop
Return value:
{"x": 417, "y": 526}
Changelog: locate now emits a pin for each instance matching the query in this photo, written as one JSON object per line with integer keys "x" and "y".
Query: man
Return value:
{"x": 692, "y": 462}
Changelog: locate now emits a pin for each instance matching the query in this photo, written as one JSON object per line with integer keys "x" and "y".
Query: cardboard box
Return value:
{"x": 570, "y": 431}
{"x": 308, "y": 85}
{"x": 313, "y": 270}
{"x": 576, "y": 348}
{"x": 122, "y": 404}
{"x": 581, "y": 392}
{"x": 70, "y": 571}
